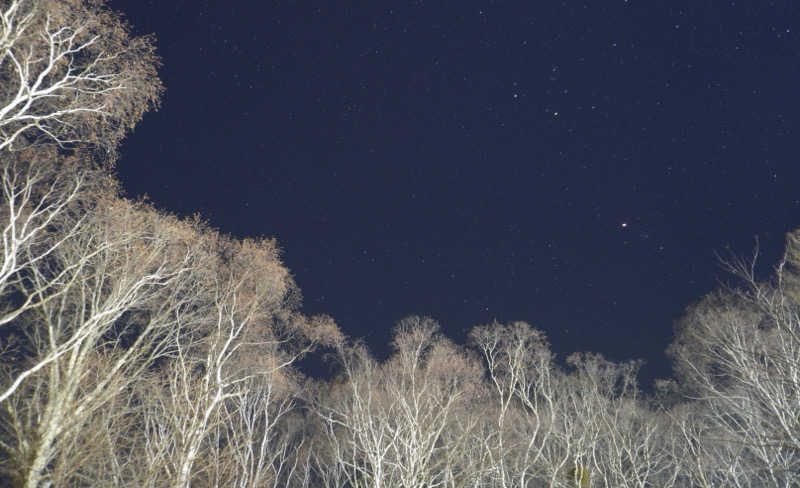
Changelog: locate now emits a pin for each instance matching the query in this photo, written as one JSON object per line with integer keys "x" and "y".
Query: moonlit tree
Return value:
{"x": 71, "y": 73}
{"x": 394, "y": 424}
{"x": 737, "y": 353}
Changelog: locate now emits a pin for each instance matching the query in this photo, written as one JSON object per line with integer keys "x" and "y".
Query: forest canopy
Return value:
{"x": 145, "y": 350}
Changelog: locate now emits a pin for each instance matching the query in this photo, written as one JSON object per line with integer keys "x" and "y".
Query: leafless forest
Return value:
{"x": 139, "y": 349}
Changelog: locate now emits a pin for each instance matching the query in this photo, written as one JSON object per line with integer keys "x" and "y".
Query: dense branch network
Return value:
{"x": 138, "y": 349}
{"x": 70, "y": 74}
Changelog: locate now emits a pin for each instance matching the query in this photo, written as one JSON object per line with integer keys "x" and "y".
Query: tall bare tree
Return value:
{"x": 619, "y": 439}
{"x": 581, "y": 427}
{"x": 71, "y": 76}
{"x": 246, "y": 329}
{"x": 129, "y": 275}
{"x": 45, "y": 204}
{"x": 737, "y": 353}
{"x": 393, "y": 424}
{"x": 521, "y": 369}
{"x": 138, "y": 349}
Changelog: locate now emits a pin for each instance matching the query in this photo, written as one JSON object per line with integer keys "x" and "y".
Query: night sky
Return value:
{"x": 575, "y": 165}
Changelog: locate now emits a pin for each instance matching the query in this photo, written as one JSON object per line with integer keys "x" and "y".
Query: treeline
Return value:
{"x": 139, "y": 349}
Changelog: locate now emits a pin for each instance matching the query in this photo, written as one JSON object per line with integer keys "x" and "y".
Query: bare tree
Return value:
{"x": 44, "y": 204}
{"x": 261, "y": 447}
{"x": 578, "y": 428}
{"x": 545, "y": 433}
{"x": 697, "y": 450}
{"x": 386, "y": 423}
{"x": 619, "y": 442}
{"x": 99, "y": 452}
{"x": 737, "y": 353}
{"x": 521, "y": 368}
{"x": 71, "y": 73}
{"x": 128, "y": 276}
{"x": 163, "y": 347}
{"x": 246, "y": 330}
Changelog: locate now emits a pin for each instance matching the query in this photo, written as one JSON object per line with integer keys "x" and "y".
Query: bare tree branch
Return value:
{"x": 71, "y": 74}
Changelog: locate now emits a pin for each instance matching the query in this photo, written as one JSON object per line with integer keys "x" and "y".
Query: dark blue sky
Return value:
{"x": 571, "y": 164}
